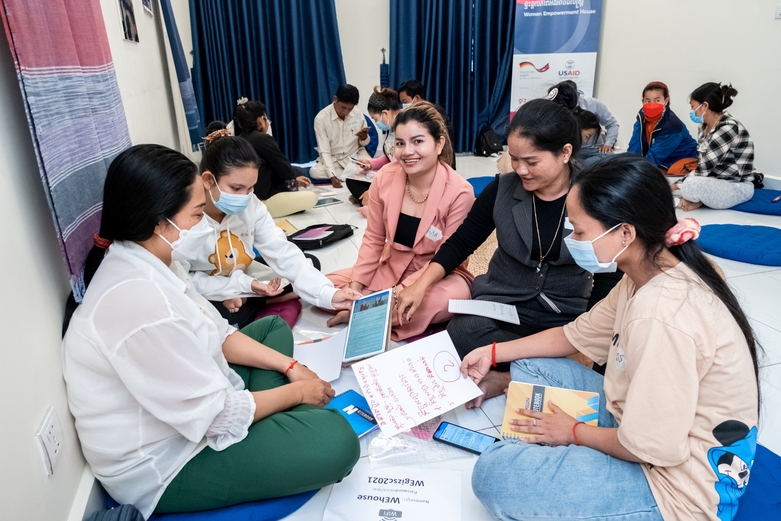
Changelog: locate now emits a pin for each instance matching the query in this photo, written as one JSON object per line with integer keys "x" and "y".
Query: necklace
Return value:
{"x": 413, "y": 198}
{"x": 537, "y": 226}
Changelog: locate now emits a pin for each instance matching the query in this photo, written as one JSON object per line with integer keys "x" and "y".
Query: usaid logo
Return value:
{"x": 570, "y": 70}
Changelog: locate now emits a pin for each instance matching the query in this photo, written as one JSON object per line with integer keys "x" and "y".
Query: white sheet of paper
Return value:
{"x": 324, "y": 357}
{"x": 414, "y": 383}
{"x": 395, "y": 493}
{"x": 485, "y": 308}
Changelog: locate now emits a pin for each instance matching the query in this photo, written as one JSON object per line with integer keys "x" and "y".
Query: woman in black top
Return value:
{"x": 531, "y": 268}
{"x": 278, "y": 182}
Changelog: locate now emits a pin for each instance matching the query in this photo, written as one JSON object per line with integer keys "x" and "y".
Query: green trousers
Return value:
{"x": 304, "y": 448}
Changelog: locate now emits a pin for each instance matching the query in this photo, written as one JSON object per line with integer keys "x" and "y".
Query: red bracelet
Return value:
{"x": 493, "y": 355}
{"x": 575, "y": 434}
{"x": 294, "y": 362}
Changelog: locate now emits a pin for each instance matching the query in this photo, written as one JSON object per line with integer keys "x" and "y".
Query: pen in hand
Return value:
{"x": 776, "y": 199}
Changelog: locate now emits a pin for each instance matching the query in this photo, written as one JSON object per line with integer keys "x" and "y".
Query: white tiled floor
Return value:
{"x": 757, "y": 287}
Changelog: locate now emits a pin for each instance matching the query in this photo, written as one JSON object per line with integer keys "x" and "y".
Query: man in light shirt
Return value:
{"x": 342, "y": 134}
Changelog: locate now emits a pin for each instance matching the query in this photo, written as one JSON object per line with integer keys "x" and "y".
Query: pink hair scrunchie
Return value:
{"x": 687, "y": 229}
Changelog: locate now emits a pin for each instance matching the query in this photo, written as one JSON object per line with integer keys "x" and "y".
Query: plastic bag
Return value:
{"x": 414, "y": 446}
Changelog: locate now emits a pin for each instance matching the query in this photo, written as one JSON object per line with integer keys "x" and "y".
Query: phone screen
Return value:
{"x": 467, "y": 439}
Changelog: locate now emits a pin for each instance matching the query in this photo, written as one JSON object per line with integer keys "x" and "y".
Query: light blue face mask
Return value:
{"x": 385, "y": 127}
{"x": 585, "y": 256}
{"x": 230, "y": 204}
{"x": 694, "y": 117}
{"x": 405, "y": 105}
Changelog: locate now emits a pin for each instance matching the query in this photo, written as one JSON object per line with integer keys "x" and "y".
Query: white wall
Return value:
{"x": 35, "y": 287}
{"x": 142, "y": 74}
{"x": 364, "y": 29}
{"x": 34, "y": 280}
{"x": 685, "y": 43}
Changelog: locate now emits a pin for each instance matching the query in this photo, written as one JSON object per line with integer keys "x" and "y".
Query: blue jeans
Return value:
{"x": 517, "y": 481}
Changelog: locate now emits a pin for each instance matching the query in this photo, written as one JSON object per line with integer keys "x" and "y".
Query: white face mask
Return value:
{"x": 190, "y": 242}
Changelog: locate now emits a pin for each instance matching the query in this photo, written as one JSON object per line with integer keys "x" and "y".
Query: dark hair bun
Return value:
{"x": 727, "y": 93}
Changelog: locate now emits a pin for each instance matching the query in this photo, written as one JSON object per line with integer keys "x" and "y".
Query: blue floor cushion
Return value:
{"x": 762, "y": 499}
{"x": 265, "y": 510}
{"x": 478, "y": 183}
{"x": 752, "y": 244}
{"x": 761, "y": 203}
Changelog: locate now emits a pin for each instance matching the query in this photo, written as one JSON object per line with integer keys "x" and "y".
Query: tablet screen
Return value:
{"x": 368, "y": 329}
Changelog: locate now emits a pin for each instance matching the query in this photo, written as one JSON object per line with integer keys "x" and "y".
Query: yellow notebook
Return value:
{"x": 286, "y": 226}
{"x": 581, "y": 405}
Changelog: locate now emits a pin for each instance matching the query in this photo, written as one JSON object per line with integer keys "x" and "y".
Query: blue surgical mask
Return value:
{"x": 694, "y": 117}
{"x": 230, "y": 204}
{"x": 385, "y": 127}
{"x": 585, "y": 256}
{"x": 405, "y": 105}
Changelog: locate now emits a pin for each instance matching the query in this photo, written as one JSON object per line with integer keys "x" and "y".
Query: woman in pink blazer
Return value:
{"x": 415, "y": 204}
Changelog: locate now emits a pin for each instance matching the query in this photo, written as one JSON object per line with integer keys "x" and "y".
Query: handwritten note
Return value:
{"x": 485, "y": 308}
{"x": 414, "y": 383}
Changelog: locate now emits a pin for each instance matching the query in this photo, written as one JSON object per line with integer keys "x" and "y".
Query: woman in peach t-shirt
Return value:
{"x": 679, "y": 400}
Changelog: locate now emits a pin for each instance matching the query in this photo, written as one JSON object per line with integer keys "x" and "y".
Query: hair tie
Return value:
{"x": 100, "y": 242}
{"x": 217, "y": 134}
{"x": 684, "y": 230}
{"x": 552, "y": 94}
{"x": 241, "y": 101}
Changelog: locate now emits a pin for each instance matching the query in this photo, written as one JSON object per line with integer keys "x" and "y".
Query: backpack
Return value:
{"x": 488, "y": 142}
{"x": 319, "y": 235}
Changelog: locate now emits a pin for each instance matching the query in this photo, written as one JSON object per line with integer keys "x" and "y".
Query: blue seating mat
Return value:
{"x": 264, "y": 510}
{"x": 761, "y": 203}
{"x": 479, "y": 183}
{"x": 762, "y": 499}
{"x": 751, "y": 244}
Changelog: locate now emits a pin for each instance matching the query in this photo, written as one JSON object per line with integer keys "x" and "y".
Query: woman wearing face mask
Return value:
{"x": 659, "y": 135}
{"x": 673, "y": 442}
{"x": 531, "y": 268}
{"x": 383, "y": 108}
{"x": 725, "y": 173}
{"x": 164, "y": 421}
{"x": 416, "y": 203}
{"x": 241, "y": 224}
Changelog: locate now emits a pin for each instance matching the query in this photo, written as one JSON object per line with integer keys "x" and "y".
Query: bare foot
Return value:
{"x": 493, "y": 384}
{"x": 688, "y": 206}
{"x": 340, "y": 318}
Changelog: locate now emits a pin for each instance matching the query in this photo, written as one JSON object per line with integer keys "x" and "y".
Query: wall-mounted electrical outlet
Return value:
{"x": 51, "y": 438}
{"x": 778, "y": 12}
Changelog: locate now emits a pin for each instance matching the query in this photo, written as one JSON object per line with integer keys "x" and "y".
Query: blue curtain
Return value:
{"x": 461, "y": 50}
{"x": 194, "y": 126}
{"x": 285, "y": 53}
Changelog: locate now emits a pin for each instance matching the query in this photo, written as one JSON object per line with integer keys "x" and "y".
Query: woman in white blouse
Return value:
{"x": 177, "y": 411}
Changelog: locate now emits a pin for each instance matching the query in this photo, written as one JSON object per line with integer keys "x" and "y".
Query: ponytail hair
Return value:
{"x": 717, "y": 96}
{"x": 428, "y": 116}
{"x": 246, "y": 114}
{"x": 628, "y": 189}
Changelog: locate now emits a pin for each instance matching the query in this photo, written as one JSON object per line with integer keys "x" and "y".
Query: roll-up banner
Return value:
{"x": 555, "y": 40}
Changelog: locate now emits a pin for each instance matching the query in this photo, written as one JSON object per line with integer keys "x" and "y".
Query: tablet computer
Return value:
{"x": 327, "y": 201}
{"x": 369, "y": 329}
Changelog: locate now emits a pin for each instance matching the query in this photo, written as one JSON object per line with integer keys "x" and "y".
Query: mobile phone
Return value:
{"x": 463, "y": 438}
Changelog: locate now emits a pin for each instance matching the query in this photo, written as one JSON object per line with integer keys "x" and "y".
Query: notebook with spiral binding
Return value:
{"x": 581, "y": 405}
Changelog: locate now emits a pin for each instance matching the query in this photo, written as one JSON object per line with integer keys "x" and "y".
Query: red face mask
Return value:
{"x": 653, "y": 110}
